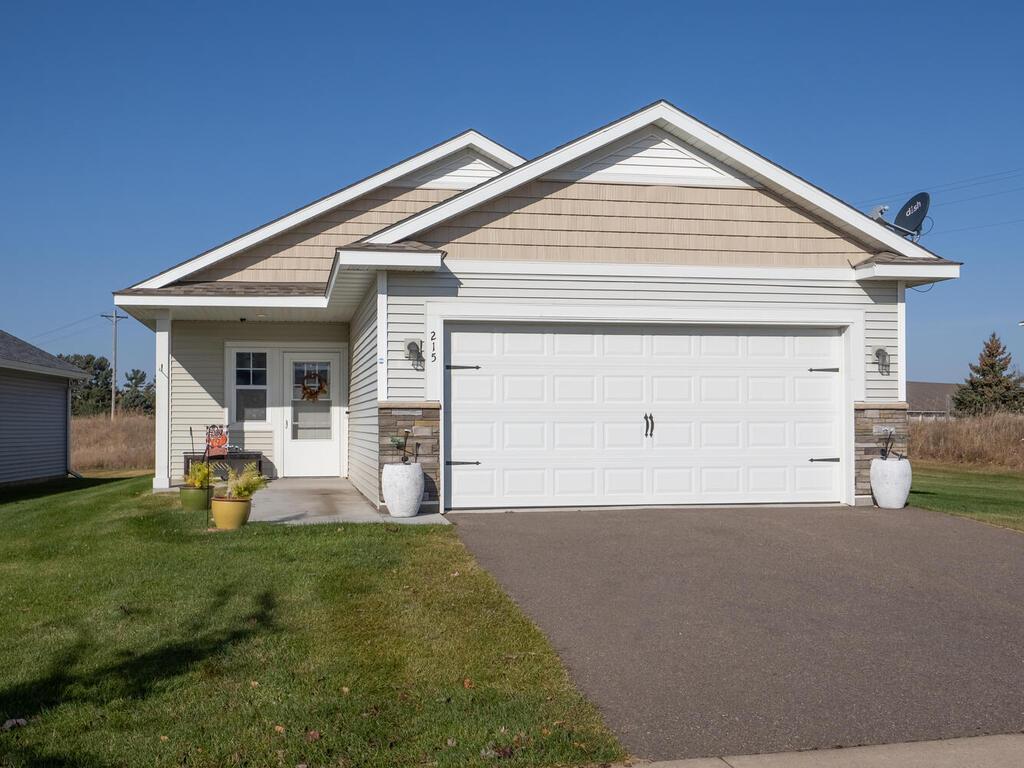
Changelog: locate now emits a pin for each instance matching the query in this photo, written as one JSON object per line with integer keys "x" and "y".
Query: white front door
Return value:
{"x": 628, "y": 415}
{"x": 313, "y": 396}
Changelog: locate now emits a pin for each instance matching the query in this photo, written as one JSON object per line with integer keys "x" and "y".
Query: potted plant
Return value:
{"x": 402, "y": 484}
{"x": 231, "y": 511}
{"x": 196, "y": 493}
{"x": 890, "y": 475}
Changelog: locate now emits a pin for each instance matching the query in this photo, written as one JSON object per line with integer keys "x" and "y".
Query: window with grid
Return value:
{"x": 250, "y": 387}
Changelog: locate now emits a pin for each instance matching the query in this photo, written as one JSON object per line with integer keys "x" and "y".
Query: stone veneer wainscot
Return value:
{"x": 868, "y": 445}
{"x": 423, "y": 418}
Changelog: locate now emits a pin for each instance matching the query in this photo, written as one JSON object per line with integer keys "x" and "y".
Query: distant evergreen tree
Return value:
{"x": 992, "y": 386}
{"x": 138, "y": 395}
{"x": 92, "y": 395}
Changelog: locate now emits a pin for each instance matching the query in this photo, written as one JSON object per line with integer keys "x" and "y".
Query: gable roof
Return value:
{"x": 22, "y": 356}
{"x": 457, "y": 145}
{"x": 693, "y": 132}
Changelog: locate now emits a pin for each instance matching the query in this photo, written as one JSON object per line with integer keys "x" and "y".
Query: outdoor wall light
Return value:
{"x": 414, "y": 352}
{"x": 882, "y": 358}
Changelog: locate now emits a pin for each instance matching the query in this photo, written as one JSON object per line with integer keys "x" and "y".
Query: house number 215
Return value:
{"x": 433, "y": 346}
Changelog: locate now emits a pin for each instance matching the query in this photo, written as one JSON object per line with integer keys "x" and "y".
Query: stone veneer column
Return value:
{"x": 423, "y": 419}
{"x": 868, "y": 445}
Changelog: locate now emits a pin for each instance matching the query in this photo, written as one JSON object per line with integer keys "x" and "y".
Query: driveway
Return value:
{"x": 739, "y": 631}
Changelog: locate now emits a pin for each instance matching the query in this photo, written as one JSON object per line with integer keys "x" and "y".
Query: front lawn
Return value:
{"x": 131, "y": 636}
{"x": 993, "y": 497}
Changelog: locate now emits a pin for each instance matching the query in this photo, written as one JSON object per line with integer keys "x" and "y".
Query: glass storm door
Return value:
{"x": 312, "y": 415}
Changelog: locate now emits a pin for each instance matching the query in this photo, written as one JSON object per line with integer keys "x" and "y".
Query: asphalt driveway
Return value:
{"x": 724, "y": 632}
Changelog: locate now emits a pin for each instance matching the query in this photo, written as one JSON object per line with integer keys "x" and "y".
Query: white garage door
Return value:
{"x": 625, "y": 415}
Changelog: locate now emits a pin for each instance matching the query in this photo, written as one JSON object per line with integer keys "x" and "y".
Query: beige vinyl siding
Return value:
{"x": 33, "y": 426}
{"x": 197, "y": 395}
{"x": 408, "y": 293}
{"x": 363, "y": 443}
{"x": 638, "y": 224}
{"x": 305, "y": 253}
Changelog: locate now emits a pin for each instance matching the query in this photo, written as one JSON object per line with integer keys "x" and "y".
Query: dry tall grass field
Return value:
{"x": 982, "y": 441}
{"x": 124, "y": 443}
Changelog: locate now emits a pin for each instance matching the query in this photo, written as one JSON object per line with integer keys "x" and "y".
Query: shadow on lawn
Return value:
{"x": 29, "y": 491}
{"x": 131, "y": 676}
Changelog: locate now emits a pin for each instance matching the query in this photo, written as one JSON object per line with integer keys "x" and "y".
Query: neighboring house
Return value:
{"x": 930, "y": 399}
{"x": 649, "y": 314}
{"x": 35, "y": 412}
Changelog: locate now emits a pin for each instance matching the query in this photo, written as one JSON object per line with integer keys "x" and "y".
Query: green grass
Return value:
{"x": 132, "y": 637}
{"x": 992, "y": 497}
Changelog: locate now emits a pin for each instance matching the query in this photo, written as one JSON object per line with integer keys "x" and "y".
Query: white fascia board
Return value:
{"x": 291, "y": 302}
{"x": 468, "y": 139}
{"x": 923, "y": 272}
{"x": 692, "y": 130}
{"x": 425, "y": 261}
{"x": 601, "y": 269}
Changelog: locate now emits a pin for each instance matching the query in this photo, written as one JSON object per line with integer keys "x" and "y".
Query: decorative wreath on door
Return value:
{"x": 313, "y": 385}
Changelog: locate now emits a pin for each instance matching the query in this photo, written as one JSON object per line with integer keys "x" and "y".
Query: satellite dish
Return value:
{"x": 911, "y": 216}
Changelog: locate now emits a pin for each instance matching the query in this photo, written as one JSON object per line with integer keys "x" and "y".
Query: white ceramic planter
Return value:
{"x": 402, "y": 486}
{"x": 890, "y": 482}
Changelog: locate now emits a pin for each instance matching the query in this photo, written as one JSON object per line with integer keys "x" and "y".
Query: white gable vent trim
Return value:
{"x": 652, "y": 156}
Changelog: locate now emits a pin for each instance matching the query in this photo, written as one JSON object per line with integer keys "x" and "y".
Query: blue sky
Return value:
{"x": 136, "y": 135}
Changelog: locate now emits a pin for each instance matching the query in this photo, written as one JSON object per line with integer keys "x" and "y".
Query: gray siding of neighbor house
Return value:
{"x": 33, "y": 426}
{"x": 408, "y": 293}
{"x": 197, "y": 380}
{"x": 363, "y": 441}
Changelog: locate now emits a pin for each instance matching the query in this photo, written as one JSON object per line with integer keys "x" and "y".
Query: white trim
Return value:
{"x": 382, "y": 335}
{"x": 291, "y": 302}
{"x": 901, "y": 341}
{"x": 231, "y": 387}
{"x": 162, "y": 409}
{"x": 275, "y": 398}
{"x": 426, "y": 261}
{"x": 693, "y": 132}
{"x": 468, "y": 139}
{"x": 851, "y": 321}
{"x": 924, "y": 272}
{"x": 726, "y": 178}
{"x": 603, "y": 269}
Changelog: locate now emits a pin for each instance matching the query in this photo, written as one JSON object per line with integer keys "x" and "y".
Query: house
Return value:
{"x": 35, "y": 412}
{"x": 930, "y": 399}
{"x": 649, "y": 314}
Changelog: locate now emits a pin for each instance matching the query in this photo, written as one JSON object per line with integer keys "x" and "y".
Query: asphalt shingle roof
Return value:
{"x": 18, "y": 354}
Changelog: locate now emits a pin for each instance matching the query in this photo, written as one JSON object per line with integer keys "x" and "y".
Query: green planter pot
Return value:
{"x": 195, "y": 499}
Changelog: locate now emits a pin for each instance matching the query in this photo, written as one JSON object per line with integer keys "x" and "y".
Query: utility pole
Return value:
{"x": 113, "y": 318}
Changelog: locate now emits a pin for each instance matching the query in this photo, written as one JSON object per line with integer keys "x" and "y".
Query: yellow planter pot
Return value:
{"x": 231, "y": 514}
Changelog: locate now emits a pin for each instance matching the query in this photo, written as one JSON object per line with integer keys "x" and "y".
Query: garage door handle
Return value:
{"x": 652, "y": 425}
{"x": 647, "y": 425}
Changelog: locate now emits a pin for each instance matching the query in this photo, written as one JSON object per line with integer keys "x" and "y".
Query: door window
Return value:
{"x": 311, "y": 400}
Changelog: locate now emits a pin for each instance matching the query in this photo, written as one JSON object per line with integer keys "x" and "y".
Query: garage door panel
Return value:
{"x": 556, "y": 416}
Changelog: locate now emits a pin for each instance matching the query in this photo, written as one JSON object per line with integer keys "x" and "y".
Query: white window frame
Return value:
{"x": 231, "y": 367}
{"x": 276, "y": 405}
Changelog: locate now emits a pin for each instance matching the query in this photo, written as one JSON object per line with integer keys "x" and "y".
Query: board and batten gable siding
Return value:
{"x": 409, "y": 292}
{"x": 33, "y": 426}
{"x": 363, "y": 439}
{"x": 644, "y": 224}
{"x": 197, "y": 396}
{"x": 305, "y": 254}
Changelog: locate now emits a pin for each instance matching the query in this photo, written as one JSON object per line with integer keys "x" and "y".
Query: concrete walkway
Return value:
{"x": 974, "y": 752}
{"x": 306, "y": 500}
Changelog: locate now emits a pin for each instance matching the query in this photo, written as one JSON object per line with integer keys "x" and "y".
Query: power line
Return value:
{"x": 951, "y": 186}
{"x": 72, "y": 334}
{"x": 978, "y": 226}
{"x": 93, "y": 316}
{"x": 979, "y": 197}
